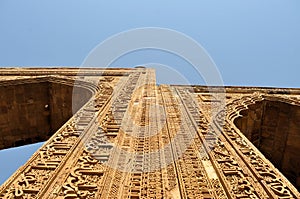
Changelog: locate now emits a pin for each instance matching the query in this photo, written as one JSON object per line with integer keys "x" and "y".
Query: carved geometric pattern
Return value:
{"x": 133, "y": 138}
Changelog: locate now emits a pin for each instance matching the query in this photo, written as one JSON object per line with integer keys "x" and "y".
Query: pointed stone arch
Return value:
{"x": 34, "y": 108}
{"x": 272, "y": 125}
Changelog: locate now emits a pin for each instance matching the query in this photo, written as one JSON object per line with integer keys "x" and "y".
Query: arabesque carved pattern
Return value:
{"x": 136, "y": 139}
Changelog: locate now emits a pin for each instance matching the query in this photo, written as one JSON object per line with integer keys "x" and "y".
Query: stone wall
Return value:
{"x": 32, "y": 112}
{"x": 273, "y": 127}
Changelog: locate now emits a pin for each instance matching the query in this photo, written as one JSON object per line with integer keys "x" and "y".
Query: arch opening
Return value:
{"x": 274, "y": 128}
{"x": 32, "y": 112}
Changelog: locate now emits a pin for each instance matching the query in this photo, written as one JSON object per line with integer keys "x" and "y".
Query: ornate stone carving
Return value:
{"x": 135, "y": 139}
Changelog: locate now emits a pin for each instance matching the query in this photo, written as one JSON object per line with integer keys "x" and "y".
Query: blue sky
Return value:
{"x": 252, "y": 42}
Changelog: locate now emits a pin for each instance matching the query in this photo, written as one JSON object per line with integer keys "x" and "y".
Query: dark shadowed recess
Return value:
{"x": 274, "y": 128}
{"x": 32, "y": 112}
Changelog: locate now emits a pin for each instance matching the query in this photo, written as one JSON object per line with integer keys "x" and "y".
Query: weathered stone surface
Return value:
{"x": 31, "y": 111}
{"x": 276, "y": 134}
{"x": 115, "y": 133}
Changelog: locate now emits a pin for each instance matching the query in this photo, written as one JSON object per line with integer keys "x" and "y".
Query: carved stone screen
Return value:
{"x": 115, "y": 133}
